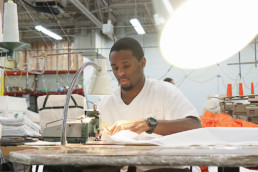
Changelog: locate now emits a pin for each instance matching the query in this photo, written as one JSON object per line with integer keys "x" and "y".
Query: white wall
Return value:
{"x": 198, "y": 84}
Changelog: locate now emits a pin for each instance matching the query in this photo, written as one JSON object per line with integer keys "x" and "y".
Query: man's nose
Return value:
{"x": 121, "y": 72}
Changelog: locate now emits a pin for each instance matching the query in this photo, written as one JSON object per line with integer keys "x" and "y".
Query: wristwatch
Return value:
{"x": 152, "y": 124}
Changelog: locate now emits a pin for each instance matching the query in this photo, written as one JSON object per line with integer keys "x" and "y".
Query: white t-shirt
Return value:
{"x": 158, "y": 99}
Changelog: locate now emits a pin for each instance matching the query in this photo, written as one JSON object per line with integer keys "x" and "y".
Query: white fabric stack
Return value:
{"x": 19, "y": 127}
{"x": 10, "y": 107}
{"x": 16, "y": 120}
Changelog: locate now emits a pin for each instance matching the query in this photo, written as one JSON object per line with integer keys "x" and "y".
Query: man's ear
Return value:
{"x": 143, "y": 62}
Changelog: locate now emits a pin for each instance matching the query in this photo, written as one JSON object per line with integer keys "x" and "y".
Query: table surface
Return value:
{"x": 122, "y": 155}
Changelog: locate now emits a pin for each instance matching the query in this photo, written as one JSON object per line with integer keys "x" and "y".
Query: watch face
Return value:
{"x": 152, "y": 121}
{"x": 152, "y": 124}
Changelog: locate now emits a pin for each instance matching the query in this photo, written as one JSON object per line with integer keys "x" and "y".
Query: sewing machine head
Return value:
{"x": 79, "y": 131}
{"x": 241, "y": 107}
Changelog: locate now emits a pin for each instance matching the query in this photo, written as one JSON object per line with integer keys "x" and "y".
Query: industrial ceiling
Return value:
{"x": 70, "y": 17}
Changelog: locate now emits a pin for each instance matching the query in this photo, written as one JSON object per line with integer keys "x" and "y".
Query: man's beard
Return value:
{"x": 127, "y": 88}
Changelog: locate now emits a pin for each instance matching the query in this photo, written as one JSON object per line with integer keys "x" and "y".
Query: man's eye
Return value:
{"x": 126, "y": 66}
{"x": 115, "y": 68}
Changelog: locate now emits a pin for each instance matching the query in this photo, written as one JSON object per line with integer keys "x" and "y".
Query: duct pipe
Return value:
{"x": 88, "y": 14}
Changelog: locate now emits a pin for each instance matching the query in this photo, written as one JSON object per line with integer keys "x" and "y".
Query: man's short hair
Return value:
{"x": 128, "y": 44}
{"x": 168, "y": 79}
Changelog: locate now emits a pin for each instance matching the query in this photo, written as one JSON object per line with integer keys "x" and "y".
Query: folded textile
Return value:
{"x": 12, "y": 121}
{"x": 20, "y": 120}
{"x": 22, "y": 130}
{"x": 20, "y": 126}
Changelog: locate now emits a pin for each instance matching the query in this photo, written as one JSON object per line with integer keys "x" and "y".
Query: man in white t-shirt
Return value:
{"x": 141, "y": 104}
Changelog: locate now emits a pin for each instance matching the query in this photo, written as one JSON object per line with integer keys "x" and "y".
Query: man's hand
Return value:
{"x": 104, "y": 126}
{"x": 137, "y": 126}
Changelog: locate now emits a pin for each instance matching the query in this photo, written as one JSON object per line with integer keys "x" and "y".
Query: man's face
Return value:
{"x": 126, "y": 68}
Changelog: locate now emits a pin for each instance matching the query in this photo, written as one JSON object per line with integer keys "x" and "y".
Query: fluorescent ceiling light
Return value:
{"x": 48, "y": 32}
{"x": 137, "y": 26}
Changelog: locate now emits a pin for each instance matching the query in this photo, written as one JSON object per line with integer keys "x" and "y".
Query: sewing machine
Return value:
{"x": 79, "y": 131}
{"x": 241, "y": 107}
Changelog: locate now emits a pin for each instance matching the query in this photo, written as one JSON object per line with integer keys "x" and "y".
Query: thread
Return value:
{"x": 11, "y": 30}
{"x": 252, "y": 88}
{"x": 229, "y": 90}
{"x": 241, "y": 93}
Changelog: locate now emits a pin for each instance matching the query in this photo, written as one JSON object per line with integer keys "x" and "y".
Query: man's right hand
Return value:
{"x": 104, "y": 126}
{"x": 137, "y": 126}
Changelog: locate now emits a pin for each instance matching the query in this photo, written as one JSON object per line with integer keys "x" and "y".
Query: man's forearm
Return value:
{"x": 166, "y": 127}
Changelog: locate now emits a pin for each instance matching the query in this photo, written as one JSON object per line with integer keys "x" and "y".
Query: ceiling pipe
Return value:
{"x": 88, "y": 14}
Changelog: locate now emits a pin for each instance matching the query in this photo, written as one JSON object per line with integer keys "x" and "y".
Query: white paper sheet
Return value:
{"x": 201, "y": 136}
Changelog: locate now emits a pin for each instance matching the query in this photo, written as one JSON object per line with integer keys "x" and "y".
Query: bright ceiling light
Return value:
{"x": 48, "y": 32}
{"x": 137, "y": 26}
{"x": 205, "y": 32}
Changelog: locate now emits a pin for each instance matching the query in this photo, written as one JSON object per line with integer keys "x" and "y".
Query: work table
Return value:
{"x": 122, "y": 155}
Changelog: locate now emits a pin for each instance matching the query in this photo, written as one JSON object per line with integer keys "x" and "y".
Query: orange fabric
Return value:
{"x": 254, "y": 169}
{"x": 210, "y": 119}
{"x": 204, "y": 168}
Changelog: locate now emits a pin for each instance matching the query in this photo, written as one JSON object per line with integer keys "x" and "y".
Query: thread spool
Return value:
{"x": 252, "y": 88}
{"x": 229, "y": 90}
{"x": 11, "y": 30}
{"x": 241, "y": 93}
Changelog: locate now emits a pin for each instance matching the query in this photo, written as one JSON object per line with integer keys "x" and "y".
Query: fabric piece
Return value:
{"x": 201, "y": 136}
{"x": 20, "y": 126}
{"x": 210, "y": 119}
